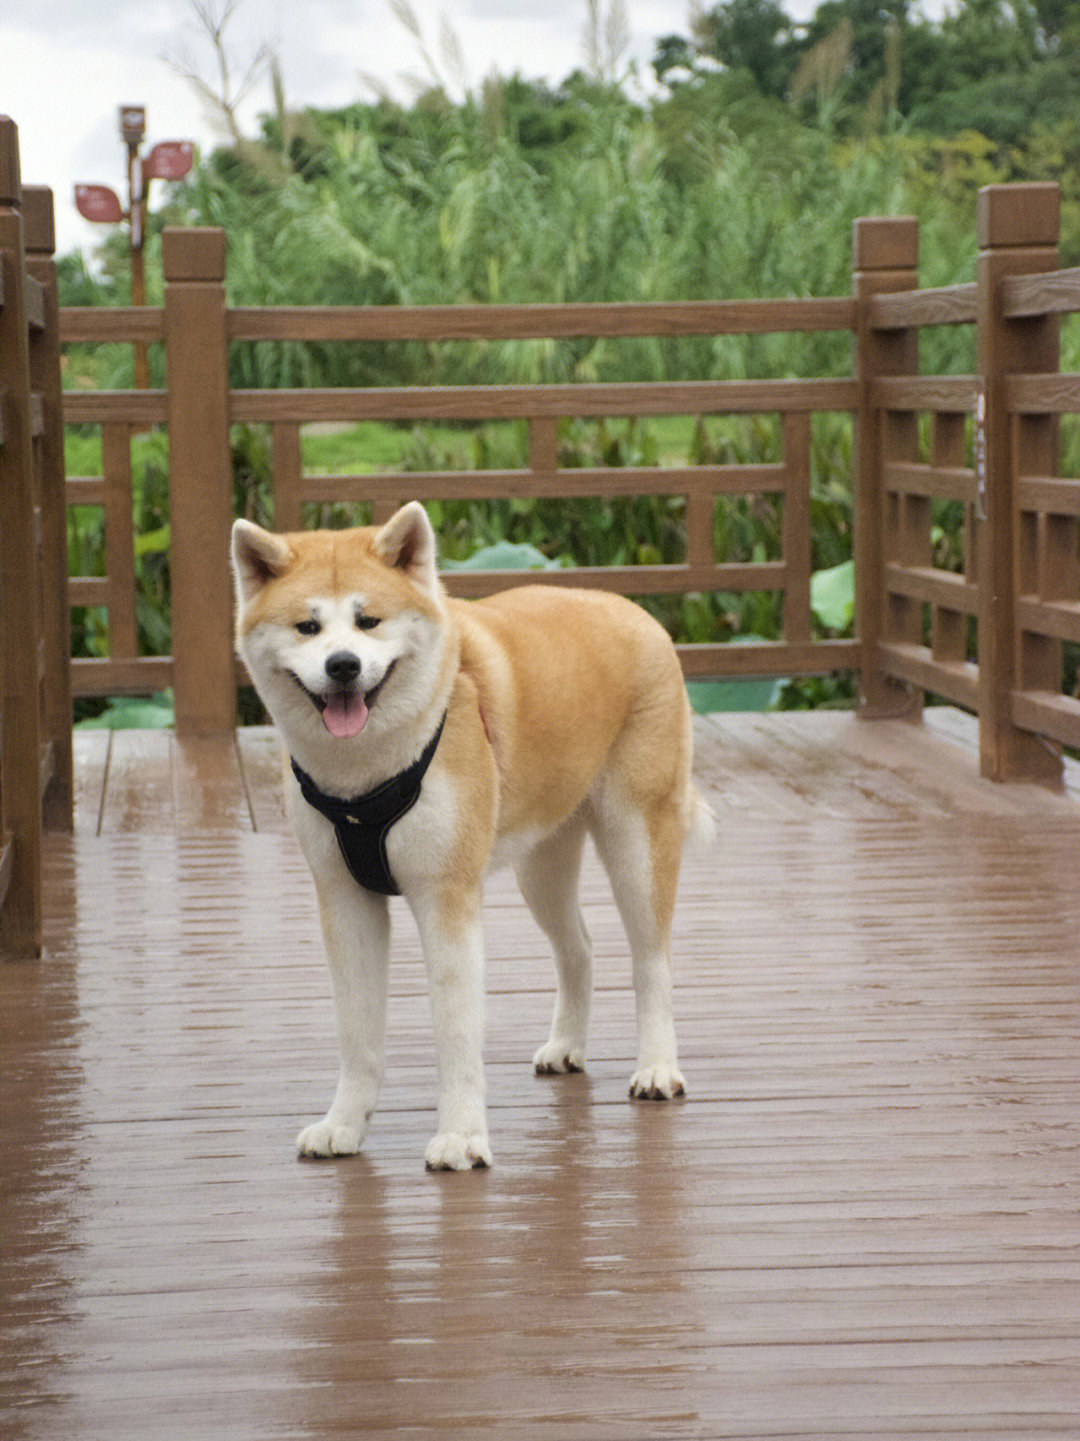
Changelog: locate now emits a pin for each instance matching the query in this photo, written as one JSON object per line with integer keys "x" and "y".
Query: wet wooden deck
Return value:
{"x": 864, "y": 1222}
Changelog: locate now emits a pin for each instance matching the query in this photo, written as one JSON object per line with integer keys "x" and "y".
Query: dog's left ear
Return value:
{"x": 407, "y": 542}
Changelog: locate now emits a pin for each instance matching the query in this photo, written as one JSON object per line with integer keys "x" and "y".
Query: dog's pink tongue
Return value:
{"x": 345, "y": 714}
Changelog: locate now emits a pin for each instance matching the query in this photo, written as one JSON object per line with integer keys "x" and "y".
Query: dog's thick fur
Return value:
{"x": 566, "y": 715}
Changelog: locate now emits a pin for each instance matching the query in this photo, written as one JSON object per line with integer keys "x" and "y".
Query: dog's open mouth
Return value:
{"x": 345, "y": 710}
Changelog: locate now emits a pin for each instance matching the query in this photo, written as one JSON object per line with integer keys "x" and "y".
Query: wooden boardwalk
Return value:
{"x": 863, "y": 1222}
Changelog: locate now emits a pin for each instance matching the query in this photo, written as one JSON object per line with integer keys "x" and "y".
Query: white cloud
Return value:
{"x": 67, "y": 65}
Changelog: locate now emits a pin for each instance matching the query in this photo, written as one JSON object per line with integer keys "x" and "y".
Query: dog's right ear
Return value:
{"x": 257, "y": 557}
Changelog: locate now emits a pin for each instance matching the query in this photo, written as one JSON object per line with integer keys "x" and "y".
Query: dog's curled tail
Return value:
{"x": 700, "y": 822}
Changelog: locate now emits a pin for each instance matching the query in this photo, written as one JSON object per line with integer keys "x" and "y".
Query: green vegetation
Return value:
{"x": 739, "y": 176}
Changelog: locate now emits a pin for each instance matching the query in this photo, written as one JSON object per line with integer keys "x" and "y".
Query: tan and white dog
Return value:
{"x": 508, "y": 729}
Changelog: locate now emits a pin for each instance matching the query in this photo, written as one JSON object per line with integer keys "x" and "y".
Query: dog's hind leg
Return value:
{"x": 548, "y": 878}
{"x": 641, "y": 848}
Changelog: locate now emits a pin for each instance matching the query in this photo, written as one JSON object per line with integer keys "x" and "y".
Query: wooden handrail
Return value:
{"x": 35, "y": 697}
{"x": 510, "y": 402}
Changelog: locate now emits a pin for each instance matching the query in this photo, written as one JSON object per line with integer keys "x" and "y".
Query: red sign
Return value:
{"x": 169, "y": 160}
{"x": 98, "y": 203}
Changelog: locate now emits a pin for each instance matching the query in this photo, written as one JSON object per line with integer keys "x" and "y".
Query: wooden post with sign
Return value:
{"x": 1018, "y": 234}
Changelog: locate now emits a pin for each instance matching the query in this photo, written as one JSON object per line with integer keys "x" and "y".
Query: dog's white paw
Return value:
{"x": 329, "y": 1138}
{"x": 557, "y": 1057}
{"x": 452, "y": 1151}
{"x": 657, "y": 1083}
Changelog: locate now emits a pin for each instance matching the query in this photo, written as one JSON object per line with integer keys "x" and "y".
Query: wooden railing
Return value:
{"x": 197, "y": 328}
{"x": 989, "y": 636}
{"x": 991, "y": 446}
{"x": 35, "y": 695}
{"x": 1020, "y": 583}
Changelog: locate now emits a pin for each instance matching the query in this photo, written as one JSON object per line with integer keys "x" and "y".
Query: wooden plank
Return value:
{"x": 289, "y": 478}
{"x": 1040, "y": 394}
{"x": 932, "y": 586}
{"x": 543, "y": 446}
{"x": 769, "y": 658}
{"x": 941, "y": 482}
{"x": 141, "y": 675}
{"x": 508, "y": 402}
{"x": 1057, "y": 618}
{"x": 201, "y": 508}
{"x": 955, "y": 680}
{"x": 1047, "y": 713}
{"x": 797, "y": 543}
{"x": 566, "y": 484}
{"x": 262, "y": 763}
{"x": 93, "y": 590}
{"x": 950, "y": 393}
{"x": 522, "y": 322}
{"x": 1018, "y": 234}
{"x": 140, "y": 796}
{"x": 20, "y": 577}
{"x": 90, "y": 751}
{"x": 7, "y": 863}
{"x": 85, "y": 490}
{"x": 1056, "y": 293}
{"x": 863, "y": 1221}
{"x": 142, "y": 409}
{"x": 949, "y": 305}
{"x": 33, "y": 303}
{"x": 634, "y": 580}
{"x": 119, "y": 542}
{"x": 884, "y": 261}
{"x": 208, "y": 785}
{"x": 112, "y": 324}
{"x": 45, "y": 379}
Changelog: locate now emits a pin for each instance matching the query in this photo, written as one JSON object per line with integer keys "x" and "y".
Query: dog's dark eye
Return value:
{"x": 308, "y": 627}
{"x": 366, "y": 622}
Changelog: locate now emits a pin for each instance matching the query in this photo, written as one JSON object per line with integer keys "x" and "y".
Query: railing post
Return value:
{"x": 885, "y": 255}
{"x": 1018, "y": 234}
{"x": 200, "y": 480}
{"x": 56, "y": 613}
{"x": 20, "y": 726}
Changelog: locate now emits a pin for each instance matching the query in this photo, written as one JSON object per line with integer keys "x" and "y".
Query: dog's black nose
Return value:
{"x": 342, "y": 667}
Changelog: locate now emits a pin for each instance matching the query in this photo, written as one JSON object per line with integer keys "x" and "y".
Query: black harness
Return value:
{"x": 361, "y": 823}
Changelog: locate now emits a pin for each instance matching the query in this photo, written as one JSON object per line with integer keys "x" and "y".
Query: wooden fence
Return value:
{"x": 35, "y": 693}
{"x": 1021, "y": 577}
{"x": 196, "y": 329}
{"x": 992, "y": 446}
{"x": 989, "y": 637}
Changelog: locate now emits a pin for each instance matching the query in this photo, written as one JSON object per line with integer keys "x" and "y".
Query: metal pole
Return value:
{"x": 132, "y": 129}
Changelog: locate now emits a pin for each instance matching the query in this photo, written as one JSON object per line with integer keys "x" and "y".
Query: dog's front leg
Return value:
{"x": 452, "y": 938}
{"x": 356, "y": 929}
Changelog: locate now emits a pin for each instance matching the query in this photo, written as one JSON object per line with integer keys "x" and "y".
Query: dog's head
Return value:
{"x": 339, "y": 626}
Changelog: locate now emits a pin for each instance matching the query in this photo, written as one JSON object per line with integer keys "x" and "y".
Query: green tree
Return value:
{"x": 757, "y": 36}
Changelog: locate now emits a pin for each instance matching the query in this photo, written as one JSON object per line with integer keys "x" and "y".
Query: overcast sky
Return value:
{"x": 67, "y": 65}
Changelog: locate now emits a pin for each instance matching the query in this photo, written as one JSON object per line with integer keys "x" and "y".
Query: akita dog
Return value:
{"x": 432, "y": 739}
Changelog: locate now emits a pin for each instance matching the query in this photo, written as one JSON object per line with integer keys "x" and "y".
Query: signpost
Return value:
{"x": 168, "y": 160}
{"x": 99, "y": 204}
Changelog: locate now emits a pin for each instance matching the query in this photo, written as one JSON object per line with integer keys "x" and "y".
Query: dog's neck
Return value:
{"x": 361, "y": 822}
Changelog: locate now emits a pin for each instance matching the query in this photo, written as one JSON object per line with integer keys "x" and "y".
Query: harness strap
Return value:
{"x": 362, "y": 822}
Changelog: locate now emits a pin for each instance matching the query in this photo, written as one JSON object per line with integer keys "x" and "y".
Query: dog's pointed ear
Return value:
{"x": 257, "y": 557}
{"x": 407, "y": 542}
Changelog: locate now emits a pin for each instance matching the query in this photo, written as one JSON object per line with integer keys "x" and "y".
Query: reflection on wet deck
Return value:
{"x": 865, "y": 1220}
